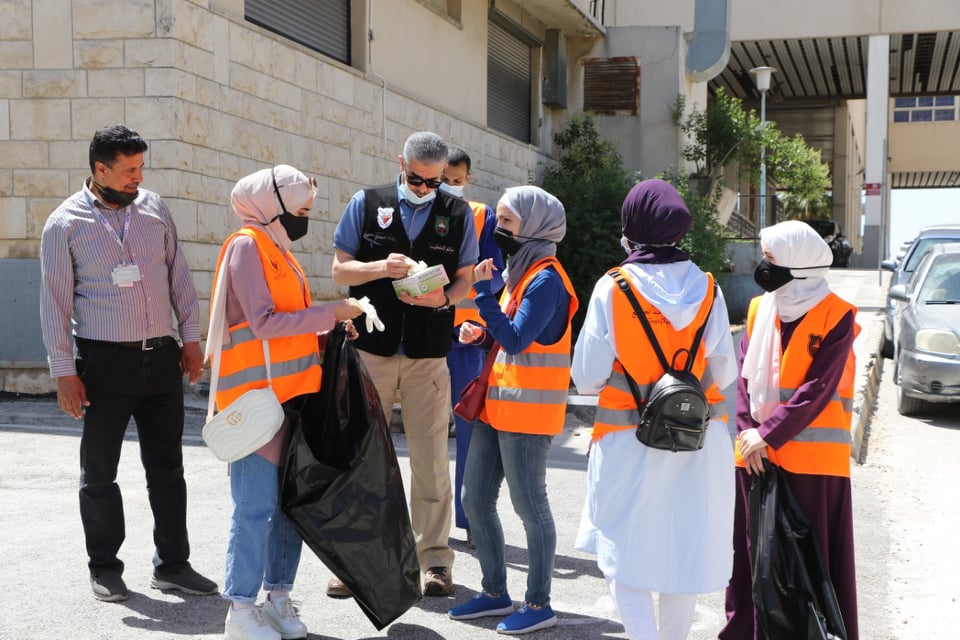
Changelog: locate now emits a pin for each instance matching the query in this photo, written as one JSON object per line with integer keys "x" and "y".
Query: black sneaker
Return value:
{"x": 184, "y": 579}
{"x": 108, "y": 586}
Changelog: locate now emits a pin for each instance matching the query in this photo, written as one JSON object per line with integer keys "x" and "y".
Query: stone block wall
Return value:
{"x": 216, "y": 98}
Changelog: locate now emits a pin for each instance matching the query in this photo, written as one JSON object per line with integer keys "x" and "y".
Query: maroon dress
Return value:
{"x": 826, "y": 500}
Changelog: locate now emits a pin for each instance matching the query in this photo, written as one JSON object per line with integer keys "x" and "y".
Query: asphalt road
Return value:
{"x": 903, "y": 508}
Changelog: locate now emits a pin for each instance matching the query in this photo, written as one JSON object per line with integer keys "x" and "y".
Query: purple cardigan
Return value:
{"x": 810, "y": 398}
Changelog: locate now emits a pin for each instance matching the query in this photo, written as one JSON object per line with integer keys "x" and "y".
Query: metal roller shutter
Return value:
{"x": 508, "y": 83}
{"x": 322, "y": 25}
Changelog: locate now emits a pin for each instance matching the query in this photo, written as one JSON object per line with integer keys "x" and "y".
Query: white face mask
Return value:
{"x": 626, "y": 245}
{"x": 413, "y": 198}
{"x": 455, "y": 191}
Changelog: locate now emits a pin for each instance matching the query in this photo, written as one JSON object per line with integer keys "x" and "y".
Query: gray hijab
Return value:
{"x": 543, "y": 223}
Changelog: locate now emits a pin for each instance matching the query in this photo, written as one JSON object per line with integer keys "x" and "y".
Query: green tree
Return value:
{"x": 590, "y": 180}
{"x": 721, "y": 134}
{"x": 725, "y": 132}
{"x": 798, "y": 169}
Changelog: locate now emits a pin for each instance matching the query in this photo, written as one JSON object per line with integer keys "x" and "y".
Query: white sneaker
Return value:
{"x": 283, "y": 616}
{"x": 248, "y": 624}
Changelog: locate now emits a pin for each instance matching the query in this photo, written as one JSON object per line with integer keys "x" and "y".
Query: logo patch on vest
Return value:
{"x": 442, "y": 226}
{"x": 813, "y": 344}
{"x": 384, "y": 216}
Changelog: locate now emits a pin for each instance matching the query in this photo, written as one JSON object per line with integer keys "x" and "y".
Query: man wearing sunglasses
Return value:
{"x": 380, "y": 229}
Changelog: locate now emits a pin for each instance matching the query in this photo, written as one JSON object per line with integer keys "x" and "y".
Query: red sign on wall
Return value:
{"x": 873, "y": 188}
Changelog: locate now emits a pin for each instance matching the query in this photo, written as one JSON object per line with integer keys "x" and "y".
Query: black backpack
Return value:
{"x": 676, "y": 414}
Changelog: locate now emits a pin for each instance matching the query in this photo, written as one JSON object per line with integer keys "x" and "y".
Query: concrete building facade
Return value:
{"x": 221, "y": 88}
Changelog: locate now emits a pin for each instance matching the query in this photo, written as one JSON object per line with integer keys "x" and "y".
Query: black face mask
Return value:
{"x": 771, "y": 277}
{"x": 112, "y": 196}
{"x": 506, "y": 241}
{"x": 295, "y": 226}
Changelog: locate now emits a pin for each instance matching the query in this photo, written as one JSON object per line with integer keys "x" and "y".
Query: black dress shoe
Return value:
{"x": 108, "y": 586}
{"x": 184, "y": 579}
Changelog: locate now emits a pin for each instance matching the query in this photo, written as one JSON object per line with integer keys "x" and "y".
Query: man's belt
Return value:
{"x": 147, "y": 344}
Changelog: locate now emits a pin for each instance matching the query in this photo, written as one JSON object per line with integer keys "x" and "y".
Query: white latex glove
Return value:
{"x": 373, "y": 320}
{"x": 415, "y": 266}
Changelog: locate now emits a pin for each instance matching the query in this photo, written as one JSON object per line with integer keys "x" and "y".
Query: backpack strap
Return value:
{"x": 620, "y": 278}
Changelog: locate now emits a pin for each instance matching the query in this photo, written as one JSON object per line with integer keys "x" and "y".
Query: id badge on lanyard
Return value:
{"x": 122, "y": 275}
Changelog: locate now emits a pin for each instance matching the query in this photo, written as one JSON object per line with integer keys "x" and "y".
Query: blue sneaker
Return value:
{"x": 526, "y": 619}
{"x": 482, "y": 605}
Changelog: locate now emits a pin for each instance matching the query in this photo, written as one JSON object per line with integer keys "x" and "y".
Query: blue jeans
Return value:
{"x": 263, "y": 547}
{"x": 521, "y": 458}
{"x": 465, "y": 362}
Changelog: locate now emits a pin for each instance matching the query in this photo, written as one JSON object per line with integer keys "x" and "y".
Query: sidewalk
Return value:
{"x": 42, "y": 554}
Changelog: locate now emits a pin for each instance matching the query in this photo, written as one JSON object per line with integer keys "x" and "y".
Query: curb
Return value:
{"x": 865, "y": 403}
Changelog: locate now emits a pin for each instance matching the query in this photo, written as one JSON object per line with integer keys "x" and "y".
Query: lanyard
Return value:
{"x": 113, "y": 232}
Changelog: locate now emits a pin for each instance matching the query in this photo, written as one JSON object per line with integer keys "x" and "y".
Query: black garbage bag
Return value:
{"x": 343, "y": 491}
{"x": 792, "y": 592}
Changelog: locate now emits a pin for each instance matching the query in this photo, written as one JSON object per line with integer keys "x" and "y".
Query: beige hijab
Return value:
{"x": 254, "y": 199}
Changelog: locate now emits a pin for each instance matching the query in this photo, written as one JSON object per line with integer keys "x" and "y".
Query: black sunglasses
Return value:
{"x": 415, "y": 181}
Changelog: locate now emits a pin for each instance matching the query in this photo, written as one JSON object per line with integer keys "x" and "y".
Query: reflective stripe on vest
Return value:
{"x": 466, "y": 309}
{"x": 295, "y": 365}
{"x": 617, "y": 409}
{"x": 528, "y": 390}
{"x": 823, "y": 447}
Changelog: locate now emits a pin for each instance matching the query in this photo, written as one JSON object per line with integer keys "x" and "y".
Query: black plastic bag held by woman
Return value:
{"x": 343, "y": 491}
{"x": 792, "y": 592}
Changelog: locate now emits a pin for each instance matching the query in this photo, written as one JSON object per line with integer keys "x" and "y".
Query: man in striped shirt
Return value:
{"x": 113, "y": 270}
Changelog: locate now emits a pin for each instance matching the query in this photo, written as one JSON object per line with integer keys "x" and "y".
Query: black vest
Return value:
{"x": 425, "y": 333}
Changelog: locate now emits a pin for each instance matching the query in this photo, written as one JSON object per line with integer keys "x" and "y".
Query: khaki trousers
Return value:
{"x": 424, "y": 386}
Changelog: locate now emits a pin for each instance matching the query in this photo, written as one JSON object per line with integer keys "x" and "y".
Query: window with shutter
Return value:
{"x": 508, "y": 83}
{"x": 611, "y": 86}
{"x": 322, "y": 25}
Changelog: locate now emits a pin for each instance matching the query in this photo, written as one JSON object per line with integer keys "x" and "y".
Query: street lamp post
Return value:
{"x": 761, "y": 78}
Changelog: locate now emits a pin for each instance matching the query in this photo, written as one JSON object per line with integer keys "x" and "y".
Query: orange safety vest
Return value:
{"x": 294, "y": 360}
{"x": 528, "y": 390}
{"x": 617, "y": 409}
{"x": 466, "y": 309}
{"x": 823, "y": 447}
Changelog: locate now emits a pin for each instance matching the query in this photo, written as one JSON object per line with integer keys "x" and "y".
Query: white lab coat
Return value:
{"x": 658, "y": 520}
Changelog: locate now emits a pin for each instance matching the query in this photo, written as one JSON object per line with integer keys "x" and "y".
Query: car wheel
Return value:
{"x": 906, "y": 405}
{"x": 886, "y": 348}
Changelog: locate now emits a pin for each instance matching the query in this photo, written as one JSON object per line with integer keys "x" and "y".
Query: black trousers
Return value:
{"x": 147, "y": 385}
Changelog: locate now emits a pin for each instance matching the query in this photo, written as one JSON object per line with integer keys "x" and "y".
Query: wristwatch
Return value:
{"x": 446, "y": 304}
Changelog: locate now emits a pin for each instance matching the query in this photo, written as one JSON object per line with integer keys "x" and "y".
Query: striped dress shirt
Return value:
{"x": 78, "y": 254}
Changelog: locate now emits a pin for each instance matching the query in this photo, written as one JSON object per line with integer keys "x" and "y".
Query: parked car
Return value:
{"x": 830, "y": 231}
{"x": 903, "y": 268}
{"x": 927, "y": 331}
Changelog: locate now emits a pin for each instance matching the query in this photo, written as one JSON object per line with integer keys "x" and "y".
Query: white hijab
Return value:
{"x": 255, "y": 201}
{"x": 796, "y": 245}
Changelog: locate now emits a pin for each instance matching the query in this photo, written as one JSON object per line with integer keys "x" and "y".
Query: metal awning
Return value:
{"x": 836, "y": 68}
{"x": 815, "y": 71}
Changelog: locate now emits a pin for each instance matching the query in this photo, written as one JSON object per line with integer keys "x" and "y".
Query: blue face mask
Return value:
{"x": 455, "y": 191}
{"x": 413, "y": 198}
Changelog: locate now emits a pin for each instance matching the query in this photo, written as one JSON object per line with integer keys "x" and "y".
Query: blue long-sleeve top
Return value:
{"x": 542, "y": 316}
